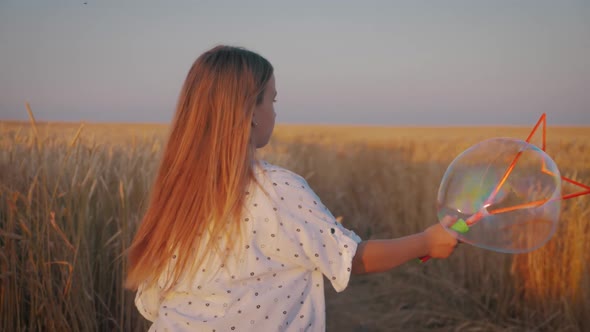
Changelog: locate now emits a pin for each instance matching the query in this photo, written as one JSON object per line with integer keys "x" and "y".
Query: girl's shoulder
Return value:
{"x": 277, "y": 173}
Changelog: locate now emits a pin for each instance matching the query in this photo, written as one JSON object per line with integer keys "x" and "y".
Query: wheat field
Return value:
{"x": 71, "y": 196}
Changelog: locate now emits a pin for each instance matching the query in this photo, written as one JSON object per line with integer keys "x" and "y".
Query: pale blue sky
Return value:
{"x": 363, "y": 62}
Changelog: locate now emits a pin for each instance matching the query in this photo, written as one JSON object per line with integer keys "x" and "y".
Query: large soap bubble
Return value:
{"x": 505, "y": 193}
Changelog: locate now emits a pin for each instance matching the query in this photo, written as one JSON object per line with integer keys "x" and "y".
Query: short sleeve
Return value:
{"x": 147, "y": 302}
{"x": 308, "y": 233}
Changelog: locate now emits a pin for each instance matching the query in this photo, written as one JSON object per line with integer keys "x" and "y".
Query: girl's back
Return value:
{"x": 272, "y": 279}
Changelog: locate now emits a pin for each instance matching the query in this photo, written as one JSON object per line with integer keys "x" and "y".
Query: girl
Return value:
{"x": 231, "y": 243}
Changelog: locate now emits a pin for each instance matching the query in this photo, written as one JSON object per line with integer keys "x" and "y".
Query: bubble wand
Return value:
{"x": 463, "y": 225}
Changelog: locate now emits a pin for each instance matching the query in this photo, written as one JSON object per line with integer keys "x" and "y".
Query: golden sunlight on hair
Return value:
{"x": 205, "y": 168}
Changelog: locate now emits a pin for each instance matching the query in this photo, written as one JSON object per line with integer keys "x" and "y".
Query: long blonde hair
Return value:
{"x": 206, "y": 166}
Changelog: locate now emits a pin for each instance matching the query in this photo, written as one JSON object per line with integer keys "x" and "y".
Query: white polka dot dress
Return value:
{"x": 275, "y": 282}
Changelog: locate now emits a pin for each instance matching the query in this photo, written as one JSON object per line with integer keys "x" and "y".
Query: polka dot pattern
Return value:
{"x": 275, "y": 280}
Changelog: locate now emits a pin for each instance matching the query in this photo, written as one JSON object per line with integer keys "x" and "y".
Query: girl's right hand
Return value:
{"x": 440, "y": 242}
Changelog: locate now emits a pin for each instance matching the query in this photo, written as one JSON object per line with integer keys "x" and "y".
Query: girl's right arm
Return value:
{"x": 375, "y": 256}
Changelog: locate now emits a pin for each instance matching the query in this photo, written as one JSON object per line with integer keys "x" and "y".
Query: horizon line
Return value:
{"x": 313, "y": 124}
